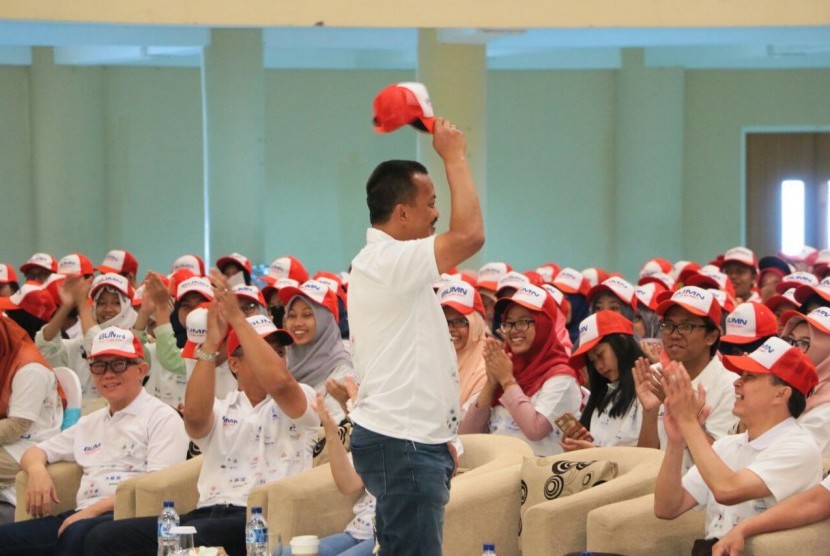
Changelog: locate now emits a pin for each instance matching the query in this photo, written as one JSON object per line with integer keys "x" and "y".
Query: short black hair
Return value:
{"x": 391, "y": 184}
{"x": 711, "y": 327}
{"x": 797, "y": 401}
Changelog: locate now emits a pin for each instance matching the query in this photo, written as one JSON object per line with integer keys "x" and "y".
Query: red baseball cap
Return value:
{"x": 777, "y": 357}
{"x": 596, "y": 327}
{"x": 119, "y": 261}
{"x": 111, "y": 280}
{"x": 570, "y": 280}
{"x": 43, "y": 260}
{"x": 530, "y": 297}
{"x": 548, "y": 272}
{"x": 33, "y": 298}
{"x": 198, "y": 284}
{"x": 235, "y": 258}
{"x": 787, "y": 297}
{"x": 7, "y": 274}
{"x": 750, "y": 322}
{"x": 75, "y": 264}
{"x": 741, "y": 255}
{"x": 648, "y": 294}
{"x": 595, "y": 275}
{"x": 461, "y": 296}
{"x": 316, "y": 291}
{"x": 818, "y": 318}
{"x": 660, "y": 278}
{"x": 513, "y": 280}
{"x": 264, "y": 327}
{"x": 116, "y": 341}
{"x": 696, "y": 300}
{"x": 795, "y": 280}
{"x": 617, "y": 287}
{"x": 654, "y": 266}
{"x": 192, "y": 263}
{"x": 285, "y": 267}
{"x": 251, "y": 293}
{"x": 403, "y": 104}
{"x": 490, "y": 273}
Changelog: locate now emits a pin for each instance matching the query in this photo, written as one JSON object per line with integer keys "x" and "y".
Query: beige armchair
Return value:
{"x": 559, "y": 526}
{"x": 67, "y": 478}
{"x": 631, "y": 528}
{"x": 484, "y": 499}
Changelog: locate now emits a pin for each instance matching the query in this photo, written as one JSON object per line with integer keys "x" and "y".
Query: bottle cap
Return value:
{"x": 168, "y": 503}
{"x": 489, "y": 546}
{"x": 256, "y": 510}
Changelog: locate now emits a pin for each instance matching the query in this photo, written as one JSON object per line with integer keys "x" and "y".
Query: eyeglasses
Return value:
{"x": 803, "y": 344}
{"x": 460, "y": 322}
{"x": 684, "y": 328}
{"x": 250, "y": 307}
{"x": 519, "y": 325}
{"x": 117, "y": 366}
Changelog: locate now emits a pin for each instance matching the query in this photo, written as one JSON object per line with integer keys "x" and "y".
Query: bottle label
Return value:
{"x": 258, "y": 535}
{"x": 164, "y": 530}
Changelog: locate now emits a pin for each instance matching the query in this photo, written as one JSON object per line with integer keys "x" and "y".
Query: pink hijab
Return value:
{"x": 471, "y": 358}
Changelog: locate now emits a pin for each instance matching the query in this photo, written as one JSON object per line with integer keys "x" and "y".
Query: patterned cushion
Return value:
{"x": 551, "y": 477}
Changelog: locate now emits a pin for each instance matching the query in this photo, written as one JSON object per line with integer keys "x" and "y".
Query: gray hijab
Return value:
{"x": 313, "y": 363}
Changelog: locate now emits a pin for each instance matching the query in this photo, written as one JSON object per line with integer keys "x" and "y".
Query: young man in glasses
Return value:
{"x": 691, "y": 333}
{"x": 740, "y": 475}
{"x": 135, "y": 434}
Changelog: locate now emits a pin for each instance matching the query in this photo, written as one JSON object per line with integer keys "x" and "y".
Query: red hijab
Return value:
{"x": 16, "y": 350}
{"x": 547, "y": 356}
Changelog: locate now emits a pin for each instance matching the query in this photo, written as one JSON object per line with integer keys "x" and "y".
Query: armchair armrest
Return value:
{"x": 67, "y": 478}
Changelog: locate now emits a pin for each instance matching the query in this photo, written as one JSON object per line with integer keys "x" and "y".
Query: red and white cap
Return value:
{"x": 741, "y": 255}
{"x": 647, "y": 294}
{"x": 660, "y": 278}
{"x": 795, "y": 280}
{"x": 548, "y": 272}
{"x": 43, "y": 260}
{"x": 116, "y": 341}
{"x": 711, "y": 279}
{"x": 7, "y": 274}
{"x": 264, "y": 327}
{"x": 511, "y": 279}
{"x": 75, "y": 264}
{"x": 33, "y": 298}
{"x": 655, "y": 266}
{"x": 726, "y": 303}
{"x": 750, "y": 322}
{"x": 570, "y": 281}
{"x": 818, "y": 318}
{"x": 807, "y": 255}
{"x": 402, "y": 104}
{"x": 235, "y": 258}
{"x": 138, "y": 295}
{"x": 530, "y": 297}
{"x": 111, "y": 280}
{"x": 617, "y": 287}
{"x": 787, "y": 297}
{"x": 318, "y": 292}
{"x": 682, "y": 269}
{"x": 192, "y": 263}
{"x": 596, "y": 327}
{"x": 196, "y": 324}
{"x": 198, "y": 284}
{"x": 777, "y": 357}
{"x": 558, "y": 297}
{"x": 822, "y": 262}
{"x": 251, "y": 293}
{"x": 443, "y": 280}
{"x": 696, "y": 300}
{"x": 803, "y": 293}
{"x": 268, "y": 290}
{"x": 119, "y": 261}
{"x": 461, "y": 296}
{"x": 285, "y": 267}
{"x": 489, "y": 275}
{"x": 595, "y": 275}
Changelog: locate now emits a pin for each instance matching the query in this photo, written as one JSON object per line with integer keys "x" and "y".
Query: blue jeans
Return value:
{"x": 411, "y": 482}
{"x": 341, "y": 544}
{"x": 37, "y": 537}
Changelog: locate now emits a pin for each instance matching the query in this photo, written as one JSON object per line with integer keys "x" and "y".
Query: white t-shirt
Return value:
{"x": 250, "y": 446}
{"x": 559, "y": 394}
{"x": 785, "y": 457}
{"x": 817, "y": 422}
{"x": 720, "y": 397}
{"x": 145, "y": 436}
{"x": 617, "y": 431}
{"x": 403, "y": 357}
{"x": 34, "y": 397}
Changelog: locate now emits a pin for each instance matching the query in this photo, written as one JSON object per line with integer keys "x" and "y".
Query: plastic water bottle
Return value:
{"x": 256, "y": 534}
{"x": 168, "y": 543}
{"x": 488, "y": 549}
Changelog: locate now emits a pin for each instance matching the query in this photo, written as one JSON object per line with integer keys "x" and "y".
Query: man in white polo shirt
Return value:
{"x": 133, "y": 435}
{"x": 408, "y": 404}
{"x": 740, "y": 475}
{"x": 262, "y": 432}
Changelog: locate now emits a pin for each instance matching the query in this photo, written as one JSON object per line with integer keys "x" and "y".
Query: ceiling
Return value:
{"x": 373, "y": 48}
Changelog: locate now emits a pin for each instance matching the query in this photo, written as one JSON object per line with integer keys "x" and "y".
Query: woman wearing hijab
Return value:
{"x": 811, "y": 334}
{"x": 529, "y": 382}
{"x": 317, "y": 354}
{"x": 464, "y": 311}
{"x": 111, "y": 296}
{"x": 31, "y": 408}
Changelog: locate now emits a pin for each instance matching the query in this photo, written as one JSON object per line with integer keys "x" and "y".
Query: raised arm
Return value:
{"x": 466, "y": 234}
{"x": 201, "y": 388}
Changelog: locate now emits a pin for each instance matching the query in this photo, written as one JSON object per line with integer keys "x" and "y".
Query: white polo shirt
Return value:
{"x": 720, "y": 397}
{"x": 817, "y": 422}
{"x": 403, "y": 356}
{"x": 145, "y": 436}
{"x": 617, "y": 431}
{"x": 250, "y": 446}
{"x": 34, "y": 397}
{"x": 785, "y": 457}
{"x": 559, "y": 394}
